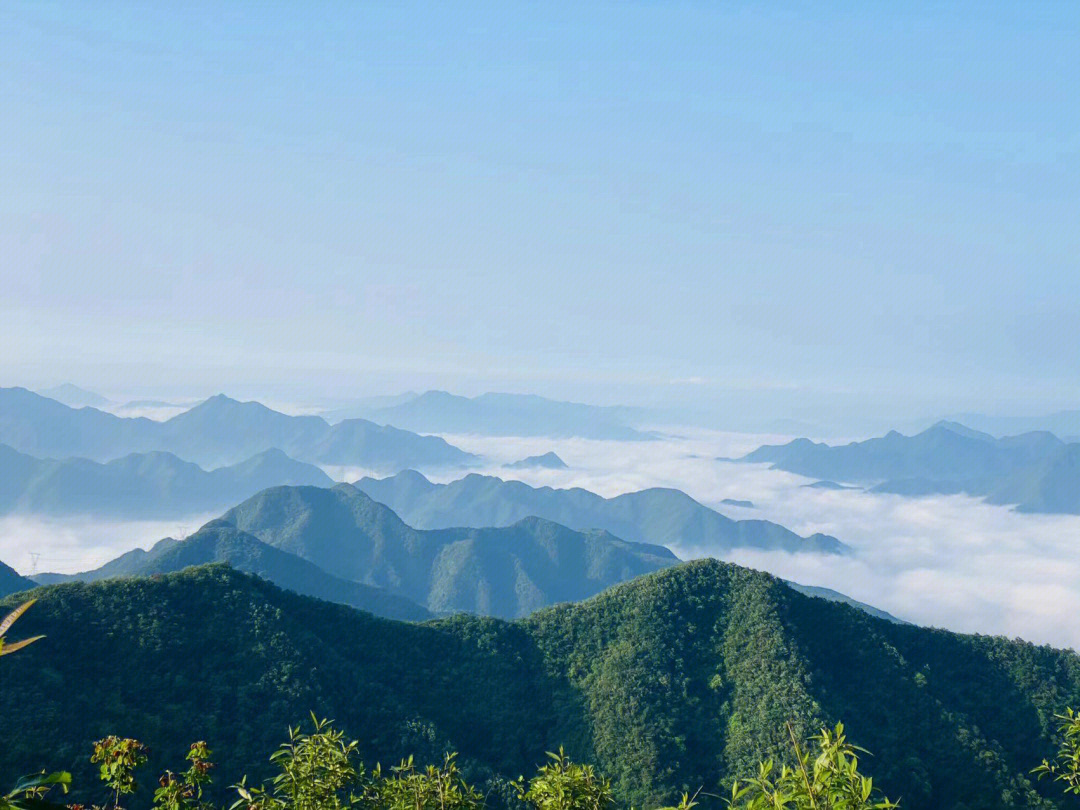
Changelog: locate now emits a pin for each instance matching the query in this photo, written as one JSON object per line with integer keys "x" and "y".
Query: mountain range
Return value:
{"x": 217, "y": 432}
{"x": 658, "y": 516}
{"x": 141, "y": 485}
{"x": 680, "y": 679}
{"x": 502, "y": 571}
{"x": 221, "y": 542}
{"x": 1036, "y": 472}
{"x": 340, "y": 545}
{"x": 496, "y": 414}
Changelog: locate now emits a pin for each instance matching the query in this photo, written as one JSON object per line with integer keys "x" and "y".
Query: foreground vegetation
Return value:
{"x": 672, "y": 684}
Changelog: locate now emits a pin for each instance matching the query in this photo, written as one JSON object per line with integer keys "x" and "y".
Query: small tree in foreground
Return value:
{"x": 565, "y": 785}
{"x": 432, "y": 788}
{"x": 831, "y": 781}
{"x": 317, "y": 771}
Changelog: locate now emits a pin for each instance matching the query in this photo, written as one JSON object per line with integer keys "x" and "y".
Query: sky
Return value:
{"x": 763, "y": 210}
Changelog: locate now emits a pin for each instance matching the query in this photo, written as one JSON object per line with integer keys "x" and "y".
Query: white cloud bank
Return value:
{"x": 68, "y": 545}
{"x": 950, "y": 561}
{"x": 947, "y": 561}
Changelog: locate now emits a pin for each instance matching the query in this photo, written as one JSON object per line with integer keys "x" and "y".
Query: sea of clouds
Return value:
{"x": 946, "y": 561}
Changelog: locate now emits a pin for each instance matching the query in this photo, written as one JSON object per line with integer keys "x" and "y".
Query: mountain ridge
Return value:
{"x": 678, "y": 679}
{"x": 660, "y": 516}
{"x": 155, "y": 484}
{"x": 1035, "y": 471}
{"x": 218, "y": 431}
{"x": 503, "y": 571}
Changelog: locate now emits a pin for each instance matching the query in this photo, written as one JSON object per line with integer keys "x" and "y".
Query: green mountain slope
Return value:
{"x": 141, "y": 485}
{"x": 665, "y": 517}
{"x": 505, "y": 571}
{"x": 678, "y": 679}
{"x": 11, "y": 581}
{"x": 219, "y": 541}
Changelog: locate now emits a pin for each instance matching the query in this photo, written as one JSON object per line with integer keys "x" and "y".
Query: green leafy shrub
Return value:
{"x": 830, "y": 781}
{"x": 565, "y": 785}
{"x": 433, "y": 788}
{"x": 317, "y": 771}
{"x": 1065, "y": 766}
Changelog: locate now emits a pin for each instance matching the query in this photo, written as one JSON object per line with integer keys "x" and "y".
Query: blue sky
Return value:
{"x": 772, "y": 208}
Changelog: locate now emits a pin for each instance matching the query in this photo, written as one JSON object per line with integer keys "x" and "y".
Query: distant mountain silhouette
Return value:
{"x": 75, "y": 397}
{"x": 219, "y": 541}
{"x": 506, "y": 571}
{"x": 548, "y": 461}
{"x": 217, "y": 432}
{"x": 1062, "y": 423}
{"x": 141, "y": 485}
{"x": 660, "y": 516}
{"x": 1036, "y": 472}
{"x": 835, "y": 596}
{"x": 507, "y": 415}
{"x": 13, "y": 582}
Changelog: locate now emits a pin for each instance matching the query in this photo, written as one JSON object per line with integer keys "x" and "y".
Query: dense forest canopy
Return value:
{"x": 677, "y": 680}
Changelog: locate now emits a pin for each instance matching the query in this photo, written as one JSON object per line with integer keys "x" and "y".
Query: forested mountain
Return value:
{"x": 1037, "y": 472}
{"x": 219, "y": 541}
{"x": 11, "y": 581}
{"x": 675, "y": 680}
{"x": 497, "y": 414}
{"x": 219, "y": 431}
{"x": 141, "y": 485}
{"x": 661, "y": 516}
{"x": 504, "y": 571}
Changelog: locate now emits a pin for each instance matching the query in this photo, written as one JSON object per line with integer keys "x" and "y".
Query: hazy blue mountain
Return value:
{"x": 1036, "y": 471}
{"x": 219, "y": 541}
{"x": 141, "y": 485}
{"x": 363, "y": 407}
{"x": 11, "y": 581}
{"x": 737, "y": 502}
{"x": 75, "y": 397}
{"x": 835, "y": 596}
{"x": 832, "y": 485}
{"x": 917, "y": 487}
{"x": 217, "y": 432}
{"x": 664, "y": 517}
{"x": 1050, "y": 485}
{"x": 45, "y": 428}
{"x": 504, "y": 571}
{"x": 1062, "y": 423}
{"x": 548, "y": 461}
{"x": 507, "y": 415}
{"x": 945, "y": 451}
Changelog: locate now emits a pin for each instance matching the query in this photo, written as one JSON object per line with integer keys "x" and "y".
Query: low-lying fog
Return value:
{"x": 948, "y": 561}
